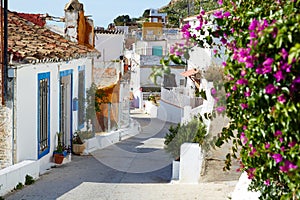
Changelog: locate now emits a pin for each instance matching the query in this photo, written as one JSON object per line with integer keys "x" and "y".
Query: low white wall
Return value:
{"x": 11, "y": 176}
{"x": 191, "y": 159}
{"x": 241, "y": 189}
{"x": 170, "y": 113}
{"x": 102, "y": 141}
{"x": 151, "y": 109}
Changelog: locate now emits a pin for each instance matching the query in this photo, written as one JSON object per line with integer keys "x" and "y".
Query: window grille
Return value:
{"x": 43, "y": 113}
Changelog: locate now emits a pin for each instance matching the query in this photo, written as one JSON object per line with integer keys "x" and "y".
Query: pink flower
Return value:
{"x": 277, "y": 157}
{"x": 268, "y": 62}
{"x": 267, "y": 145}
{"x": 274, "y": 32}
{"x": 250, "y": 173}
{"x": 243, "y": 72}
{"x": 279, "y": 76}
{"x": 267, "y": 182}
{"x": 243, "y": 138}
{"x": 288, "y": 165}
{"x": 242, "y": 81}
{"x": 281, "y": 99}
{"x": 281, "y": 139}
{"x": 247, "y": 93}
{"x": 253, "y": 151}
{"x": 213, "y": 91}
{"x": 284, "y": 53}
{"x": 218, "y": 14}
{"x": 253, "y": 25}
{"x": 220, "y": 2}
{"x": 278, "y": 133}
{"x": 244, "y": 127}
{"x": 270, "y": 89}
{"x": 226, "y": 14}
{"x": 223, "y": 40}
{"x": 282, "y": 148}
{"x": 228, "y": 94}
{"x": 244, "y": 106}
{"x": 234, "y": 88}
{"x": 292, "y": 144}
{"x": 220, "y": 109}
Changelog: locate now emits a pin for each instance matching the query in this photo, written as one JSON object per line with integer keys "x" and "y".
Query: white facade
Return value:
{"x": 26, "y": 105}
{"x": 111, "y": 46}
{"x": 146, "y": 47}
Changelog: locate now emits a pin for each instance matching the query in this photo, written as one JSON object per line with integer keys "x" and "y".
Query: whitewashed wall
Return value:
{"x": 145, "y": 47}
{"x": 26, "y": 105}
{"x": 168, "y": 112}
{"x": 111, "y": 46}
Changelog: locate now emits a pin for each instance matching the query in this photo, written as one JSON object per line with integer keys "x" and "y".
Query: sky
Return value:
{"x": 103, "y": 11}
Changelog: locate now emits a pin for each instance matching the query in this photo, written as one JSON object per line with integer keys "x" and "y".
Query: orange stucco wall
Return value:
{"x": 112, "y": 93}
{"x": 84, "y": 31}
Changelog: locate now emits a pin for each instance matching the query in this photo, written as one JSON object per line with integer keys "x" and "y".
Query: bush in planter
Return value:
{"x": 59, "y": 153}
{"x": 193, "y": 131}
{"x": 78, "y": 145}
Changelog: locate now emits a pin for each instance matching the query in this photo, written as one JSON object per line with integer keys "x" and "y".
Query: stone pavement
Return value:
{"x": 136, "y": 168}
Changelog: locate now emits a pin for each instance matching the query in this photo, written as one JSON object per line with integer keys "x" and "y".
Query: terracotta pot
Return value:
{"x": 58, "y": 158}
{"x": 78, "y": 148}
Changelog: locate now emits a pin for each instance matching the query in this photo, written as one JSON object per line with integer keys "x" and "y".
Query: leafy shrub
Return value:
{"x": 193, "y": 131}
{"x": 29, "y": 180}
{"x": 19, "y": 186}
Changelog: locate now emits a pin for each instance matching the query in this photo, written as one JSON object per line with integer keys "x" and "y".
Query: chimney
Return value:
{"x": 78, "y": 28}
{"x": 72, "y": 10}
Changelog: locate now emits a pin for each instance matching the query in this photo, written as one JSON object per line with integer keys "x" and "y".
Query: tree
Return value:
{"x": 179, "y": 10}
{"x": 121, "y": 20}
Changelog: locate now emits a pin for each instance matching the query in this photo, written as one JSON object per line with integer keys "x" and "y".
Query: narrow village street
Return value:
{"x": 125, "y": 162}
{"x": 136, "y": 168}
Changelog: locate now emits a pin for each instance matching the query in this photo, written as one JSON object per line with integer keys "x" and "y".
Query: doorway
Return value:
{"x": 65, "y": 108}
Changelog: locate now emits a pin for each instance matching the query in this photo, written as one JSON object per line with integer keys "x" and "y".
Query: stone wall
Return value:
{"x": 5, "y": 137}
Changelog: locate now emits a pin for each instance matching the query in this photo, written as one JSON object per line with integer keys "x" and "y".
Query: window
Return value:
{"x": 81, "y": 97}
{"x": 43, "y": 114}
{"x": 182, "y": 82}
{"x": 157, "y": 50}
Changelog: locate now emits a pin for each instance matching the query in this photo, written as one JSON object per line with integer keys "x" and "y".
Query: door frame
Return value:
{"x": 64, "y": 73}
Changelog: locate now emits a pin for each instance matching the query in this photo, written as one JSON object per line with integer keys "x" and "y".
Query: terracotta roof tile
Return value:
{"x": 32, "y": 43}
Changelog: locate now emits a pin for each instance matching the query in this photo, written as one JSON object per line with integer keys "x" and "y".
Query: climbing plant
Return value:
{"x": 262, "y": 87}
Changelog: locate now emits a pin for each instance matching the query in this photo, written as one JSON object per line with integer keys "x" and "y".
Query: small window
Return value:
{"x": 81, "y": 98}
{"x": 157, "y": 50}
{"x": 182, "y": 81}
{"x": 43, "y": 114}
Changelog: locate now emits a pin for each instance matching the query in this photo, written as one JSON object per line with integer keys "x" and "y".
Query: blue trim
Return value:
{"x": 80, "y": 69}
{"x": 67, "y": 73}
{"x": 42, "y": 76}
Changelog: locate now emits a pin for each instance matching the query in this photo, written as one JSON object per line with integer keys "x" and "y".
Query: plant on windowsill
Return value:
{"x": 59, "y": 153}
{"x": 78, "y": 145}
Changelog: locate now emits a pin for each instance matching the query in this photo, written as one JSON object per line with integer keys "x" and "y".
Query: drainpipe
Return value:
{"x": 13, "y": 116}
{"x": 5, "y": 59}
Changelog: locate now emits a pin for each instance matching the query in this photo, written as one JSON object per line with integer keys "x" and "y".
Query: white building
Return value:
{"x": 48, "y": 79}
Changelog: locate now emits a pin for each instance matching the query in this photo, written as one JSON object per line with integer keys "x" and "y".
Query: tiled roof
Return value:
{"x": 37, "y": 19}
{"x": 30, "y": 43}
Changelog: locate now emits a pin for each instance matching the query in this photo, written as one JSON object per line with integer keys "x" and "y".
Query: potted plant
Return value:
{"x": 77, "y": 144}
{"x": 59, "y": 153}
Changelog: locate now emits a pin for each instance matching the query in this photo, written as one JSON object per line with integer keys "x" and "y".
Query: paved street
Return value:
{"x": 140, "y": 159}
{"x": 136, "y": 168}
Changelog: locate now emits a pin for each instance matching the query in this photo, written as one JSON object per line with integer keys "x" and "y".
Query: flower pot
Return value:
{"x": 78, "y": 148}
{"x": 58, "y": 158}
